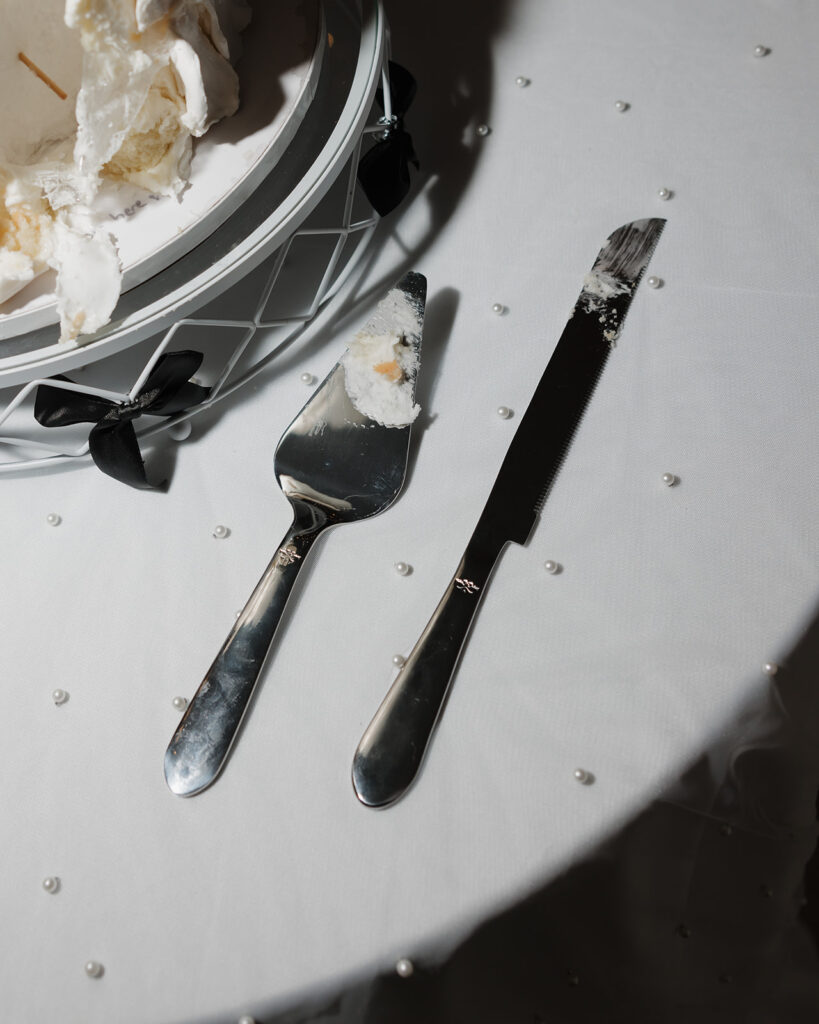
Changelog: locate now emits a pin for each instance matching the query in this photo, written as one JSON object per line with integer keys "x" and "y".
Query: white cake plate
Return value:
{"x": 349, "y": 74}
{"x": 282, "y": 54}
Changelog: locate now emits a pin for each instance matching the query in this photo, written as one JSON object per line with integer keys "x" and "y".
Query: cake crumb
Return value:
{"x": 391, "y": 370}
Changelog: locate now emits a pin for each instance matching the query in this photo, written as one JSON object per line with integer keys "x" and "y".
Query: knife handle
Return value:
{"x": 393, "y": 746}
{"x": 202, "y": 741}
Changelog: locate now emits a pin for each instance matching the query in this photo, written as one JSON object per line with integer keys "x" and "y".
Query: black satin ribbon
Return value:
{"x": 113, "y": 441}
{"x": 383, "y": 171}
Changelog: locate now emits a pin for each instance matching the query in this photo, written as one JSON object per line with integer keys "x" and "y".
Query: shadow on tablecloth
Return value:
{"x": 705, "y": 907}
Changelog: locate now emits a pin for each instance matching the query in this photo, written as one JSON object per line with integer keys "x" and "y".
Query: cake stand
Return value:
{"x": 266, "y": 258}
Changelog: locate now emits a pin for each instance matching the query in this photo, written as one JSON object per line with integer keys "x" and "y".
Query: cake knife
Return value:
{"x": 394, "y": 745}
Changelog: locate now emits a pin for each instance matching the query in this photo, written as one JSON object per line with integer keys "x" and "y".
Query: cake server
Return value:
{"x": 334, "y": 464}
{"x": 392, "y": 748}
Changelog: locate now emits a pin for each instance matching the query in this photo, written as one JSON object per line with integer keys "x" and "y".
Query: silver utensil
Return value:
{"x": 335, "y": 464}
{"x": 392, "y": 748}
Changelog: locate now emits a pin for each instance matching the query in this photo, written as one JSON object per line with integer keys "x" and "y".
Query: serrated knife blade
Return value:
{"x": 394, "y": 745}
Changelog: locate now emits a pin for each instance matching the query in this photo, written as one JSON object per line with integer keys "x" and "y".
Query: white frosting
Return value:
{"x": 157, "y": 73}
{"x": 603, "y": 285}
{"x": 381, "y": 363}
{"x": 379, "y": 372}
{"x": 598, "y": 287}
{"x": 141, "y": 79}
{"x": 89, "y": 280}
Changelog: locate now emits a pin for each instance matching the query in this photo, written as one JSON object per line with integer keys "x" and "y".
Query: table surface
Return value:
{"x": 640, "y": 662}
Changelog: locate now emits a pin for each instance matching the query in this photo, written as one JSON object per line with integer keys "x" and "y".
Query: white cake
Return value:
{"x": 102, "y": 90}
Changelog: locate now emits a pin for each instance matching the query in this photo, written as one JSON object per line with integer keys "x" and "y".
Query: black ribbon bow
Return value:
{"x": 383, "y": 171}
{"x": 113, "y": 441}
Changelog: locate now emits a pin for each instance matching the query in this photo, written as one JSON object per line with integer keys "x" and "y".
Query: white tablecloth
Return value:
{"x": 640, "y": 662}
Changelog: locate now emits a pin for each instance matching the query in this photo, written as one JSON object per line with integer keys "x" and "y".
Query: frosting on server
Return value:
{"x": 104, "y": 89}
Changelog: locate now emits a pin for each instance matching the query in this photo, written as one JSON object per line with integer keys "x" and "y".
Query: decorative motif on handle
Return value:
{"x": 287, "y": 555}
{"x": 467, "y": 586}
